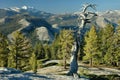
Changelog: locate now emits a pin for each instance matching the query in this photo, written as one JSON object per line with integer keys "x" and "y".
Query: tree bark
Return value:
{"x": 73, "y": 62}
{"x": 16, "y": 63}
{"x": 64, "y": 62}
{"x": 91, "y": 62}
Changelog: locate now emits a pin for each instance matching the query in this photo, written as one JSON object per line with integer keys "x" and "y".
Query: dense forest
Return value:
{"x": 100, "y": 47}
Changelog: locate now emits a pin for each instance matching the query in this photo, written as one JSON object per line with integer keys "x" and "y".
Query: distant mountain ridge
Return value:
{"x": 46, "y": 25}
{"x": 27, "y": 25}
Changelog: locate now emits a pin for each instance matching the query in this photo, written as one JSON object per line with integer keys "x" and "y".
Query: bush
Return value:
{"x": 103, "y": 77}
{"x": 41, "y": 61}
{"x": 39, "y": 64}
{"x": 62, "y": 64}
{"x": 83, "y": 71}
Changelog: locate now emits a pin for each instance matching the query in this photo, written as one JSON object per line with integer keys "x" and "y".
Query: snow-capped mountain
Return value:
{"x": 18, "y": 9}
{"x": 27, "y": 10}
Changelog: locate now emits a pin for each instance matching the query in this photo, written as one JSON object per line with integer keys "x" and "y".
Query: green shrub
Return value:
{"x": 39, "y": 64}
{"x": 103, "y": 77}
{"x": 43, "y": 60}
{"x": 62, "y": 64}
{"x": 83, "y": 71}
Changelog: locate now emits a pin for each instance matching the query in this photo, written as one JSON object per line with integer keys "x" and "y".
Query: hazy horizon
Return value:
{"x": 61, "y": 6}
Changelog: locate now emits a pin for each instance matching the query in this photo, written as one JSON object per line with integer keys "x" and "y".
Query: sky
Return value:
{"x": 61, "y": 6}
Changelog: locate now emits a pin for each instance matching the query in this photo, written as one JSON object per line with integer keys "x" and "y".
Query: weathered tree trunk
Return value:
{"x": 91, "y": 63}
{"x": 80, "y": 33}
{"x": 64, "y": 62}
{"x": 73, "y": 62}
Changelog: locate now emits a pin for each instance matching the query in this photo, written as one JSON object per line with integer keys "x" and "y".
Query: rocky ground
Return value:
{"x": 30, "y": 76}
{"x": 47, "y": 73}
{"x": 54, "y": 73}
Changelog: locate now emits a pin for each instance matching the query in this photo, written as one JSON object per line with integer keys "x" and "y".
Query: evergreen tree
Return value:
{"x": 112, "y": 56}
{"x": 47, "y": 51}
{"x": 54, "y": 48}
{"x": 54, "y": 51}
{"x": 66, "y": 41}
{"x": 20, "y": 51}
{"x": 107, "y": 39}
{"x": 3, "y": 51}
{"x": 33, "y": 62}
{"x": 91, "y": 46}
{"x": 117, "y": 46}
{"x": 39, "y": 50}
{"x": 11, "y": 57}
{"x": 101, "y": 56}
{"x": 38, "y": 53}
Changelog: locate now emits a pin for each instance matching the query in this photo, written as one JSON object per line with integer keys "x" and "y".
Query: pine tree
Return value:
{"x": 91, "y": 46}
{"x": 20, "y": 51}
{"x": 3, "y": 51}
{"x": 107, "y": 47}
{"x": 39, "y": 50}
{"x": 66, "y": 41}
{"x": 11, "y": 57}
{"x": 117, "y": 46}
{"x": 33, "y": 62}
{"x": 113, "y": 52}
{"x": 47, "y": 51}
{"x": 54, "y": 48}
{"x": 101, "y": 56}
{"x": 53, "y": 52}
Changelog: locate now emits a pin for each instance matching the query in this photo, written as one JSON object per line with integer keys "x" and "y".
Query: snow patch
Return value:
{"x": 24, "y": 7}
{"x": 16, "y": 9}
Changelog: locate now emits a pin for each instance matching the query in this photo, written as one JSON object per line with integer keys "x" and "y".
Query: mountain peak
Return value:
{"x": 25, "y": 7}
{"x": 16, "y": 9}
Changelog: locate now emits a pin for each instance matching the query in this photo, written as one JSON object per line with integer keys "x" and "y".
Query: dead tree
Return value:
{"x": 83, "y": 18}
